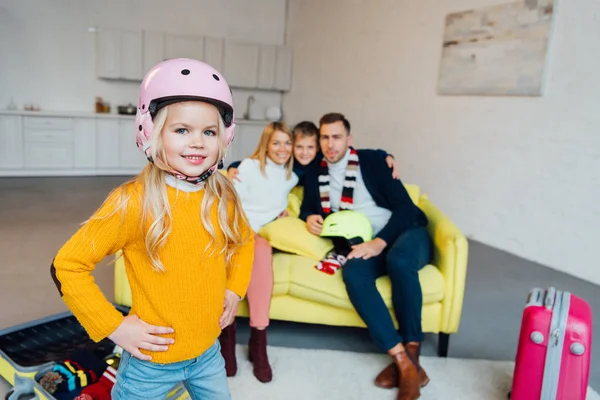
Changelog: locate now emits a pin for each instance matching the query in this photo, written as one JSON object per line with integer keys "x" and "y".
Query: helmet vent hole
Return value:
{"x": 143, "y": 106}
{"x": 185, "y": 72}
{"x": 140, "y": 128}
{"x": 216, "y": 77}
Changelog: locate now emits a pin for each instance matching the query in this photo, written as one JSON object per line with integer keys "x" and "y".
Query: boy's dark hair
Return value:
{"x": 331, "y": 118}
{"x": 305, "y": 129}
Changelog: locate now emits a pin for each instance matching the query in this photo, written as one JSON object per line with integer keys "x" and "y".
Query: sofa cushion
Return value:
{"x": 414, "y": 191}
{"x": 295, "y": 201}
{"x": 281, "y": 273}
{"x": 307, "y": 283}
{"x": 289, "y": 234}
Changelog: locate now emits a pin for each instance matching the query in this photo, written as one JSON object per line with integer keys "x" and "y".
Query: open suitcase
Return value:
{"x": 28, "y": 351}
{"x": 554, "y": 350}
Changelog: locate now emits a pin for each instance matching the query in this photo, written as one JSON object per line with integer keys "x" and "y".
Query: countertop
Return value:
{"x": 82, "y": 114}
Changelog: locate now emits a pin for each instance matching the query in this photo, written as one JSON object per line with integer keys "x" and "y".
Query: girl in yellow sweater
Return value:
{"x": 187, "y": 244}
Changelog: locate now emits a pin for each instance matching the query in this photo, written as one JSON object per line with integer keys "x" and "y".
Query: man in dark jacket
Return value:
{"x": 349, "y": 179}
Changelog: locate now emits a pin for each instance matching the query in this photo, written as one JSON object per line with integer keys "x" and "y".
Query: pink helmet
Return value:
{"x": 176, "y": 80}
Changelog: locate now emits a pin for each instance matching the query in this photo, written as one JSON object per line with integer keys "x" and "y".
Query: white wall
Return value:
{"x": 521, "y": 174}
{"x": 47, "y": 55}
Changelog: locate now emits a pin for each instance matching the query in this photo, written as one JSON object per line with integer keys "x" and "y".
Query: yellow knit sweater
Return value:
{"x": 187, "y": 297}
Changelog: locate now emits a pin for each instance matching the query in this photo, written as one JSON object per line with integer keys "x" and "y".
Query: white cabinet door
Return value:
{"x": 130, "y": 157}
{"x": 84, "y": 143}
{"x": 186, "y": 46}
{"x": 48, "y": 143}
{"x": 283, "y": 68}
{"x": 131, "y": 55}
{"x": 266, "y": 66}
{"x": 245, "y": 142}
{"x": 213, "y": 53}
{"x": 47, "y": 156}
{"x": 11, "y": 142}
{"x": 240, "y": 64}
{"x": 108, "y": 53}
{"x": 107, "y": 143}
{"x": 154, "y": 49}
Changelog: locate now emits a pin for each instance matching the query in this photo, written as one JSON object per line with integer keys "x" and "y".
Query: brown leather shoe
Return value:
{"x": 258, "y": 355}
{"x": 409, "y": 388}
{"x": 227, "y": 340}
{"x": 414, "y": 350}
{"x": 389, "y": 377}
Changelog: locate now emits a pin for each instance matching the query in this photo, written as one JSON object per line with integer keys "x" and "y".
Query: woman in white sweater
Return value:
{"x": 264, "y": 183}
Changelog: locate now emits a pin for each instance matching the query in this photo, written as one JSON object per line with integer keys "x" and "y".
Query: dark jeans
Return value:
{"x": 402, "y": 261}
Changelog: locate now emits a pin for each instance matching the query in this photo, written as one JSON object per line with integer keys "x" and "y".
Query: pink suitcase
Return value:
{"x": 555, "y": 344}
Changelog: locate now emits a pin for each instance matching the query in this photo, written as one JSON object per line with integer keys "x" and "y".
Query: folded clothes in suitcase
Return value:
{"x": 555, "y": 344}
{"x": 30, "y": 350}
{"x": 32, "y": 354}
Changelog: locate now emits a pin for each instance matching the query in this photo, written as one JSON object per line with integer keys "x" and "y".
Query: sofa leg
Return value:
{"x": 443, "y": 340}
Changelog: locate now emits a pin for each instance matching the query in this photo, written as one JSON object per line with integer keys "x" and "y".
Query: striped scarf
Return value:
{"x": 347, "y": 200}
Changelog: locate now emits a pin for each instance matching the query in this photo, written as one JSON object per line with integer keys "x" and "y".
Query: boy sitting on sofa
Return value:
{"x": 349, "y": 179}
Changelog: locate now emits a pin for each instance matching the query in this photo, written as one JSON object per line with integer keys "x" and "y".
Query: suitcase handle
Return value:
{"x": 535, "y": 297}
{"x": 550, "y": 298}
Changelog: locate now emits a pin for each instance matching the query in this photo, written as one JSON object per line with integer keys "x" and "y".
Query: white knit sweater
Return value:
{"x": 263, "y": 197}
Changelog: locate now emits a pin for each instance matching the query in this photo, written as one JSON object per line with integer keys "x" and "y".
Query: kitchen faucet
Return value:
{"x": 249, "y": 101}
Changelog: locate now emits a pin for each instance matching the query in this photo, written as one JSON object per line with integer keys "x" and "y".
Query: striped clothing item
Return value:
{"x": 347, "y": 200}
{"x": 101, "y": 390}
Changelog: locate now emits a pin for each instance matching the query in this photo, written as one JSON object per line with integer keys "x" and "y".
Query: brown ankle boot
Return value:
{"x": 388, "y": 378}
{"x": 258, "y": 355}
{"x": 227, "y": 340}
{"x": 414, "y": 350}
{"x": 409, "y": 388}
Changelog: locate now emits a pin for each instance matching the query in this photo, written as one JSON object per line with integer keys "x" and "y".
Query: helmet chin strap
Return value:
{"x": 194, "y": 180}
{"x": 197, "y": 180}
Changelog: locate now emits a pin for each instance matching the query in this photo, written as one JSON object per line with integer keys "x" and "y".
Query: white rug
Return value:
{"x": 300, "y": 374}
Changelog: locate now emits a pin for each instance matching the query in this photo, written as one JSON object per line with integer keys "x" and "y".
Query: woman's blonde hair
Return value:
{"x": 156, "y": 211}
{"x": 260, "y": 153}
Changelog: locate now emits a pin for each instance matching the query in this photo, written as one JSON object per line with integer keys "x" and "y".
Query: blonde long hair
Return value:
{"x": 260, "y": 153}
{"x": 157, "y": 211}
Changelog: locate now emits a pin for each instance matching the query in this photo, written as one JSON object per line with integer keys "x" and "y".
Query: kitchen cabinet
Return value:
{"x": 63, "y": 144}
{"x": 154, "y": 49}
{"x": 84, "y": 143}
{"x": 213, "y": 52}
{"x": 108, "y": 53}
{"x": 245, "y": 142}
{"x": 119, "y": 54}
{"x": 130, "y": 157}
{"x": 107, "y": 144}
{"x": 283, "y": 68}
{"x": 240, "y": 64}
{"x": 129, "y": 54}
{"x": 266, "y": 67}
{"x": 48, "y": 142}
{"x": 11, "y": 142}
{"x": 184, "y": 46}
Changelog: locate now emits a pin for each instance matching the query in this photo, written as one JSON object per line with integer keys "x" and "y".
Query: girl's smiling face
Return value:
{"x": 190, "y": 137}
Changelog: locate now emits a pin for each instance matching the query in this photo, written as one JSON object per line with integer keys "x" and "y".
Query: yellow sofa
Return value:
{"x": 303, "y": 294}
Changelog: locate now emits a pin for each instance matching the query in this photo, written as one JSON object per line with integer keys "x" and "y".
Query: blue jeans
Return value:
{"x": 203, "y": 377}
{"x": 401, "y": 261}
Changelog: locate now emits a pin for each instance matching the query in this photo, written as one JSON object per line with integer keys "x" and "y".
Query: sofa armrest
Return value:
{"x": 451, "y": 252}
